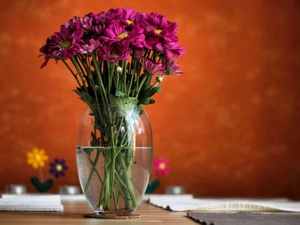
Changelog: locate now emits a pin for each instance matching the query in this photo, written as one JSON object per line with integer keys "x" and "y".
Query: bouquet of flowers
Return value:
{"x": 114, "y": 57}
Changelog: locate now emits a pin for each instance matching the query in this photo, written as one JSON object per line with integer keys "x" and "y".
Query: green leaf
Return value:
{"x": 85, "y": 97}
{"x": 145, "y": 96}
{"x": 120, "y": 94}
{"x": 154, "y": 90}
{"x": 95, "y": 141}
{"x": 152, "y": 101}
{"x": 145, "y": 101}
{"x": 121, "y": 105}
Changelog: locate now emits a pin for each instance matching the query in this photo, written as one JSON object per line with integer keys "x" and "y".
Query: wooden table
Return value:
{"x": 74, "y": 210}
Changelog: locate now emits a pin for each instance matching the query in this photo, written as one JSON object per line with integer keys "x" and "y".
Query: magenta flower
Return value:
{"x": 58, "y": 167}
{"x": 63, "y": 44}
{"x": 90, "y": 47}
{"x": 93, "y": 25}
{"x": 172, "y": 50}
{"x": 99, "y": 18}
{"x": 113, "y": 52}
{"x": 45, "y": 50}
{"x": 161, "y": 166}
{"x": 114, "y": 14}
{"x": 130, "y": 18}
{"x": 172, "y": 67}
{"x": 141, "y": 44}
{"x": 66, "y": 43}
{"x": 159, "y": 29}
{"x": 74, "y": 23}
{"x": 137, "y": 38}
{"x": 138, "y": 53}
{"x": 115, "y": 32}
{"x": 161, "y": 35}
{"x": 153, "y": 67}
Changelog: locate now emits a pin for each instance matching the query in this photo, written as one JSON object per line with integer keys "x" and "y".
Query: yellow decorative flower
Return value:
{"x": 36, "y": 158}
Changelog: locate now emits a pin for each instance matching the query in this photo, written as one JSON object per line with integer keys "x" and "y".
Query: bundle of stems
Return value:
{"x": 114, "y": 92}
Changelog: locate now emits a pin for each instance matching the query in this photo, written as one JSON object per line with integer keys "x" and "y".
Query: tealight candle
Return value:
{"x": 15, "y": 189}
{"x": 174, "y": 190}
{"x": 68, "y": 190}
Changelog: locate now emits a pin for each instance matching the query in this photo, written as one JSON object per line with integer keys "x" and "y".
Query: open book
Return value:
{"x": 188, "y": 203}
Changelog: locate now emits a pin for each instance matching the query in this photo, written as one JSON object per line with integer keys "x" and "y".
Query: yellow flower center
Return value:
{"x": 122, "y": 36}
{"x": 65, "y": 44}
{"x": 162, "y": 166}
{"x": 158, "y": 31}
{"x": 58, "y": 167}
{"x": 129, "y": 22}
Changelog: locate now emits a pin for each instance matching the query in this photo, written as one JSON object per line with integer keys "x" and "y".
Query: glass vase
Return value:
{"x": 114, "y": 157}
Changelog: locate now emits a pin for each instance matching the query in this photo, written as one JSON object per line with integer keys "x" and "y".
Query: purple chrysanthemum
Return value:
{"x": 138, "y": 53}
{"x": 115, "y": 32}
{"x": 137, "y": 38}
{"x": 153, "y": 67}
{"x": 161, "y": 35}
{"x": 45, "y": 50}
{"x": 74, "y": 23}
{"x": 63, "y": 44}
{"x": 89, "y": 47}
{"x": 66, "y": 43}
{"x": 93, "y": 25}
{"x": 131, "y": 18}
{"x": 58, "y": 167}
{"x": 114, "y": 14}
{"x": 119, "y": 34}
{"x": 113, "y": 52}
{"x": 158, "y": 28}
{"x": 172, "y": 68}
{"x": 172, "y": 50}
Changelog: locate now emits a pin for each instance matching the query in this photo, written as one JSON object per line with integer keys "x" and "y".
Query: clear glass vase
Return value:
{"x": 114, "y": 157}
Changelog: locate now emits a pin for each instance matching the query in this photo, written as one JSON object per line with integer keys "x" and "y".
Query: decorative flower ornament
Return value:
{"x": 37, "y": 158}
{"x": 58, "y": 167}
{"x": 161, "y": 166}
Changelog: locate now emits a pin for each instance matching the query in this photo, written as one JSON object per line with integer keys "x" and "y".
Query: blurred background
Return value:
{"x": 229, "y": 126}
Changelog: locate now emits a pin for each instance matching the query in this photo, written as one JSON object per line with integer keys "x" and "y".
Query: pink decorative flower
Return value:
{"x": 161, "y": 166}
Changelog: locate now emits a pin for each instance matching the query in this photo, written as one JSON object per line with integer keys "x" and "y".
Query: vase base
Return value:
{"x": 112, "y": 216}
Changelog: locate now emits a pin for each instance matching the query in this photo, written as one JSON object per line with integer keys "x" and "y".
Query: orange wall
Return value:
{"x": 229, "y": 125}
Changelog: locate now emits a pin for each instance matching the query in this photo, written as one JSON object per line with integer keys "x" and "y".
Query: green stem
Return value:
{"x": 144, "y": 78}
{"x": 104, "y": 94}
{"x": 132, "y": 77}
{"x": 74, "y": 75}
{"x": 130, "y": 200}
{"x": 94, "y": 164}
{"x": 79, "y": 71}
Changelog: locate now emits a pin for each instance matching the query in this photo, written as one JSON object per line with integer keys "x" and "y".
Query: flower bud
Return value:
{"x": 119, "y": 69}
{"x": 159, "y": 79}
